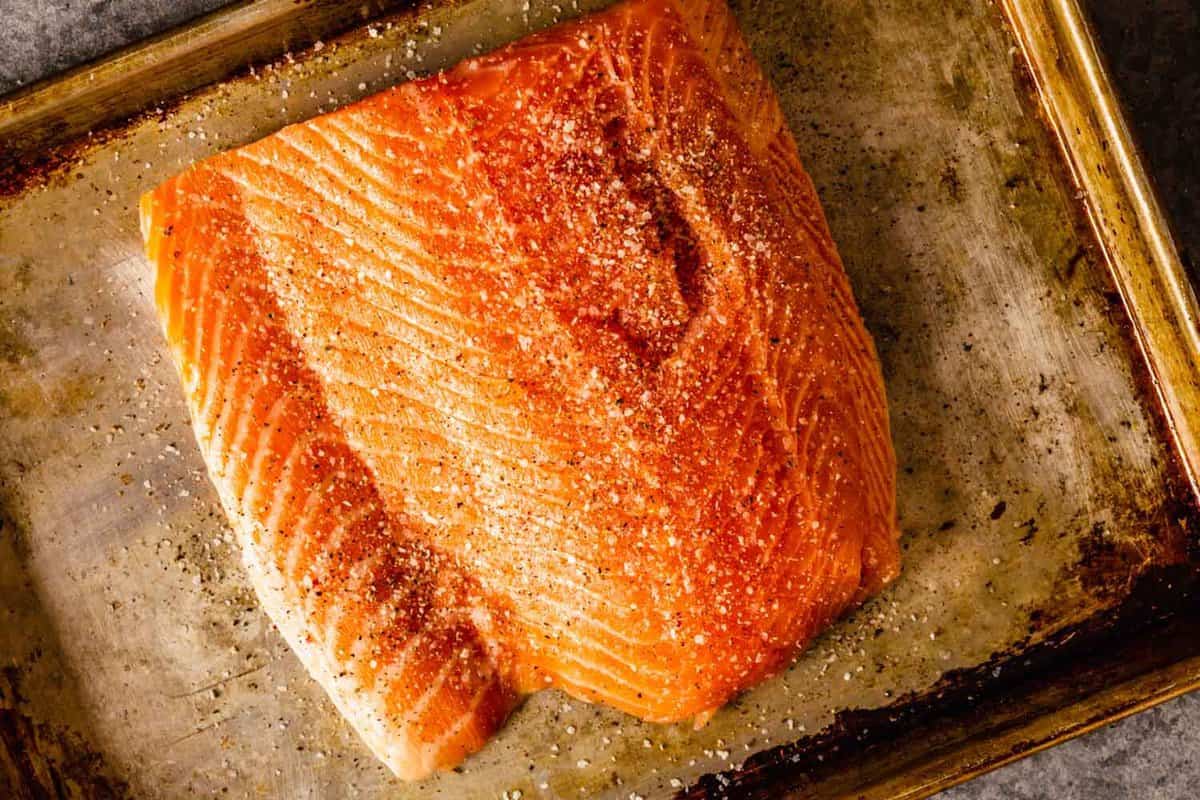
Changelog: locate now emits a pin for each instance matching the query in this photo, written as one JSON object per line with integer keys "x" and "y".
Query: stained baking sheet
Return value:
{"x": 1036, "y": 479}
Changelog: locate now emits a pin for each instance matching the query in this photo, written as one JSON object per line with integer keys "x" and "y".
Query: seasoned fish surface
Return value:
{"x": 541, "y": 372}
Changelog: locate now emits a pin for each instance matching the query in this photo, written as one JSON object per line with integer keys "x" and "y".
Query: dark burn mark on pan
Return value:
{"x": 25, "y": 165}
{"x": 22, "y": 169}
{"x": 43, "y": 750}
{"x": 1158, "y": 625}
{"x": 18, "y": 173}
{"x": 950, "y": 182}
{"x": 1176, "y": 521}
{"x": 41, "y": 760}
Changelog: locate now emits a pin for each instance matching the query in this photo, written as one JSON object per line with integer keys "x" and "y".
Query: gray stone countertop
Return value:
{"x": 1151, "y": 46}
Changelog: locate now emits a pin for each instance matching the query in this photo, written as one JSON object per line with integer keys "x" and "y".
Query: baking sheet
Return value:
{"x": 1035, "y": 480}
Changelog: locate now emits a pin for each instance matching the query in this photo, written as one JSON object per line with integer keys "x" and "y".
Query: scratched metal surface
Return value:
{"x": 1033, "y": 478}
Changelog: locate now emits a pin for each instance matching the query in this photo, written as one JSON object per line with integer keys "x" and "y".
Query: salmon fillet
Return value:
{"x": 540, "y": 372}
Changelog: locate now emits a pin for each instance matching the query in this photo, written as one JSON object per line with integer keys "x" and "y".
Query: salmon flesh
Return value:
{"x": 540, "y": 372}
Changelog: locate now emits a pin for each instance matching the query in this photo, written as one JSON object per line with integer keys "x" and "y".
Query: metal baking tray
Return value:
{"x": 1038, "y": 338}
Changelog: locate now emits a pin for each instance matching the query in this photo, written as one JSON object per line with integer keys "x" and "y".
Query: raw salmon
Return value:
{"x": 540, "y": 372}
